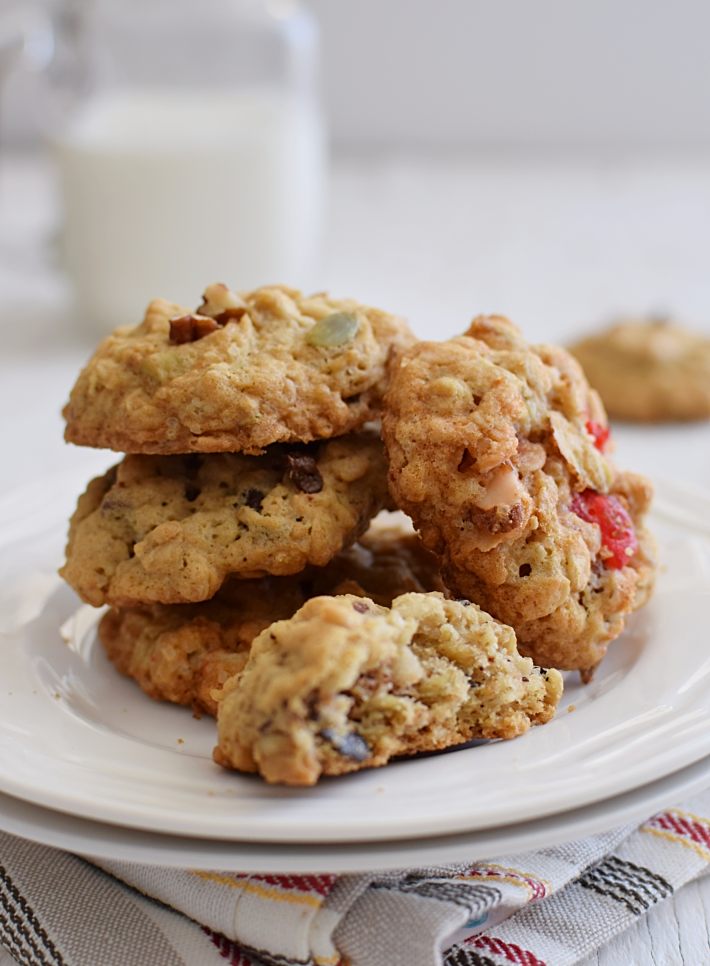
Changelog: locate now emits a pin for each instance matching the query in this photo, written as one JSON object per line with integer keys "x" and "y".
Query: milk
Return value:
{"x": 165, "y": 192}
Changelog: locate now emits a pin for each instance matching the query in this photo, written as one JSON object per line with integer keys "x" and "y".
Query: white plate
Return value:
{"x": 76, "y": 737}
{"x": 101, "y": 841}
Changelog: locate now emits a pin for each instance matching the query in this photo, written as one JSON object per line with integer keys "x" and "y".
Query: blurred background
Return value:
{"x": 550, "y": 161}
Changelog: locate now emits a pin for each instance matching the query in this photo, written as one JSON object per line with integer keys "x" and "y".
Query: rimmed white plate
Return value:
{"x": 111, "y": 843}
{"x": 76, "y": 737}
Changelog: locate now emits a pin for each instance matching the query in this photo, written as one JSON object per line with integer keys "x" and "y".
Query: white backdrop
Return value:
{"x": 613, "y": 75}
{"x": 543, "y": 73}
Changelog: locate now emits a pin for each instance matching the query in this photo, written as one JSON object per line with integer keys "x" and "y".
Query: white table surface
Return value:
{"x": 556, "y": 244}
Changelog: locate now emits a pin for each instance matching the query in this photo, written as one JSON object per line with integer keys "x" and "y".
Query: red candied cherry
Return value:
{"x": 600, "y": 434}
{"x": 612, "y": 518}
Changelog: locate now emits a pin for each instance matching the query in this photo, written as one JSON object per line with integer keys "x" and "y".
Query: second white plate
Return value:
{"x": 107, "y": 842}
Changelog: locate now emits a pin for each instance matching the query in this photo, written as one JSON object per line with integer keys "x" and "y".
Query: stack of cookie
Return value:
{"x": 232, "y": 542}
{"x": 249, "y": 469}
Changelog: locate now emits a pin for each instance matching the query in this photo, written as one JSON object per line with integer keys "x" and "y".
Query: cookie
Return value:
{"x": 649, "y": 371}
{"x": 184, "y": 652}
{"x": 241, "y": 372}
{"x": 499, "y": 452}
{"x": 347, "y": 684}
{"x": 171, "y": 529}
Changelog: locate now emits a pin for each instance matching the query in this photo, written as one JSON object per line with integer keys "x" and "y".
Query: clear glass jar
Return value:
{"x": 197, "y": 155}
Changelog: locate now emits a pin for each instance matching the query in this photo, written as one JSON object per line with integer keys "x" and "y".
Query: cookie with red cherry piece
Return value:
{"x": 649, "y": 371}
{"x": 239, "y": 373}
{"x": 499, "y": 451}
{"x": 346, "y": 684}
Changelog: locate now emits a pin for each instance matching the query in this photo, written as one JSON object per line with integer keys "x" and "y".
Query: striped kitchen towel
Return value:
{"x": 548, "y": 908}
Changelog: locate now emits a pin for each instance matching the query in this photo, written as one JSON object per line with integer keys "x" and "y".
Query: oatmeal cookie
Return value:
{"x": 649, "y": 371}
{"x": 347, "y": 684}
{"x": 241, "y": 372}
{"x": 184, "y": 652}
{"x": 498, "y": 451}
{"x": 171, "y": 529}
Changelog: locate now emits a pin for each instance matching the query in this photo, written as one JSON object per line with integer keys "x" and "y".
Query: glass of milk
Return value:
{"x": 198, "y": 156}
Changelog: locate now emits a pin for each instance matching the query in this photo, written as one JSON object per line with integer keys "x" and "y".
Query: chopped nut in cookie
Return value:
{"x": 190, "y": 328}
